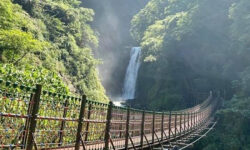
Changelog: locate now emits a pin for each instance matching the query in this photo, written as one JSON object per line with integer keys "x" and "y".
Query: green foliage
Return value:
{"x": 9, "y": 15}
{"x": 173, "y": 27}
{"x": 239, "y": 14}
{"x": 232, "y": 129}
{"x": 178, "y": 39}
{"x": 16, "y": 44}
{"x": 154, "y": 10}
{"x": 30, "y": 76}
{"x": 55, "y": 35}
{"x": 196, "y": 46}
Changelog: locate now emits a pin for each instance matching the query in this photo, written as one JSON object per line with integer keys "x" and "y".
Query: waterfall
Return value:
{"x": 131, "y": 74}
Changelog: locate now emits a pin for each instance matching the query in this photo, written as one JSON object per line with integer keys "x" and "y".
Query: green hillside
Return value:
{"x": 53, "y": 35}
{"x": 196, "y": 46}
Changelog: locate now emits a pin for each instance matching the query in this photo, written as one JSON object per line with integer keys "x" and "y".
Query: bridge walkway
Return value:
{"x": 32, "y": 118}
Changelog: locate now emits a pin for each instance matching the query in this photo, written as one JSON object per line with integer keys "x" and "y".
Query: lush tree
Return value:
{"x": 16, "y": 44}
{"x": 197, "y": 46}
{"x": 55, "y": 35}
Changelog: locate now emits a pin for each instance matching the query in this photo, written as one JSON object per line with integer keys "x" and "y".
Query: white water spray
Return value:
{"x": 131, "y": 74}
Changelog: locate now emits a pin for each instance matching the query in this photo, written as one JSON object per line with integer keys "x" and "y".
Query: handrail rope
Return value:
{"x": 207, "y": 107}
{"x": 59, "y": 95}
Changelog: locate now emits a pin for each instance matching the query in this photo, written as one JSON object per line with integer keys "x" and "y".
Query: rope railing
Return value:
{"x": 31, "y": 118}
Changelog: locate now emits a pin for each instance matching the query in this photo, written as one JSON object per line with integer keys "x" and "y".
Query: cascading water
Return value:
{"x": 131, "y": 74}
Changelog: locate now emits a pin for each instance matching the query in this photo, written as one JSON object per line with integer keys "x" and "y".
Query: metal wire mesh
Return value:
{"x": 57, "y": 121}
{"x": 15, "y": 101}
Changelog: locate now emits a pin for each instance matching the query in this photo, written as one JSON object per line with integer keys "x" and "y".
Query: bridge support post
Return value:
{"x": 194, "y": 120}
{"x": 127, "y": 129}
{"x": 180, "y": 123}
{"x": 197, "y": 118}
{"x": 184, "y": 128}
{"x": 87, "y": 126}
{"x": 142, "y": 128}
{"x": 203, "y": 116}
{"x": 35, "y": 108}
{"x": 175, "y": 125}
{"x": 26, "y": 126}
{"x": 191, "y": 126}
{"x": 169, "y": 125}
{"x": 153, "y": 128}
{"x": 162, "y": 126}
{"x": 80, "y": 122}
{"x": 200, "y": 118}
{"x": 65, "y": 110}
{"x": 108, "y": 125}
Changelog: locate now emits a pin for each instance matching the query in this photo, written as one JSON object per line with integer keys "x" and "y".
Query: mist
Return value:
{"x": 112, "y": 23}
{"x": 181, "y": 67}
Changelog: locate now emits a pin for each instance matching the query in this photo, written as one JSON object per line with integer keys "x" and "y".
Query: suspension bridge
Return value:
{"x": 31, "y": 118}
